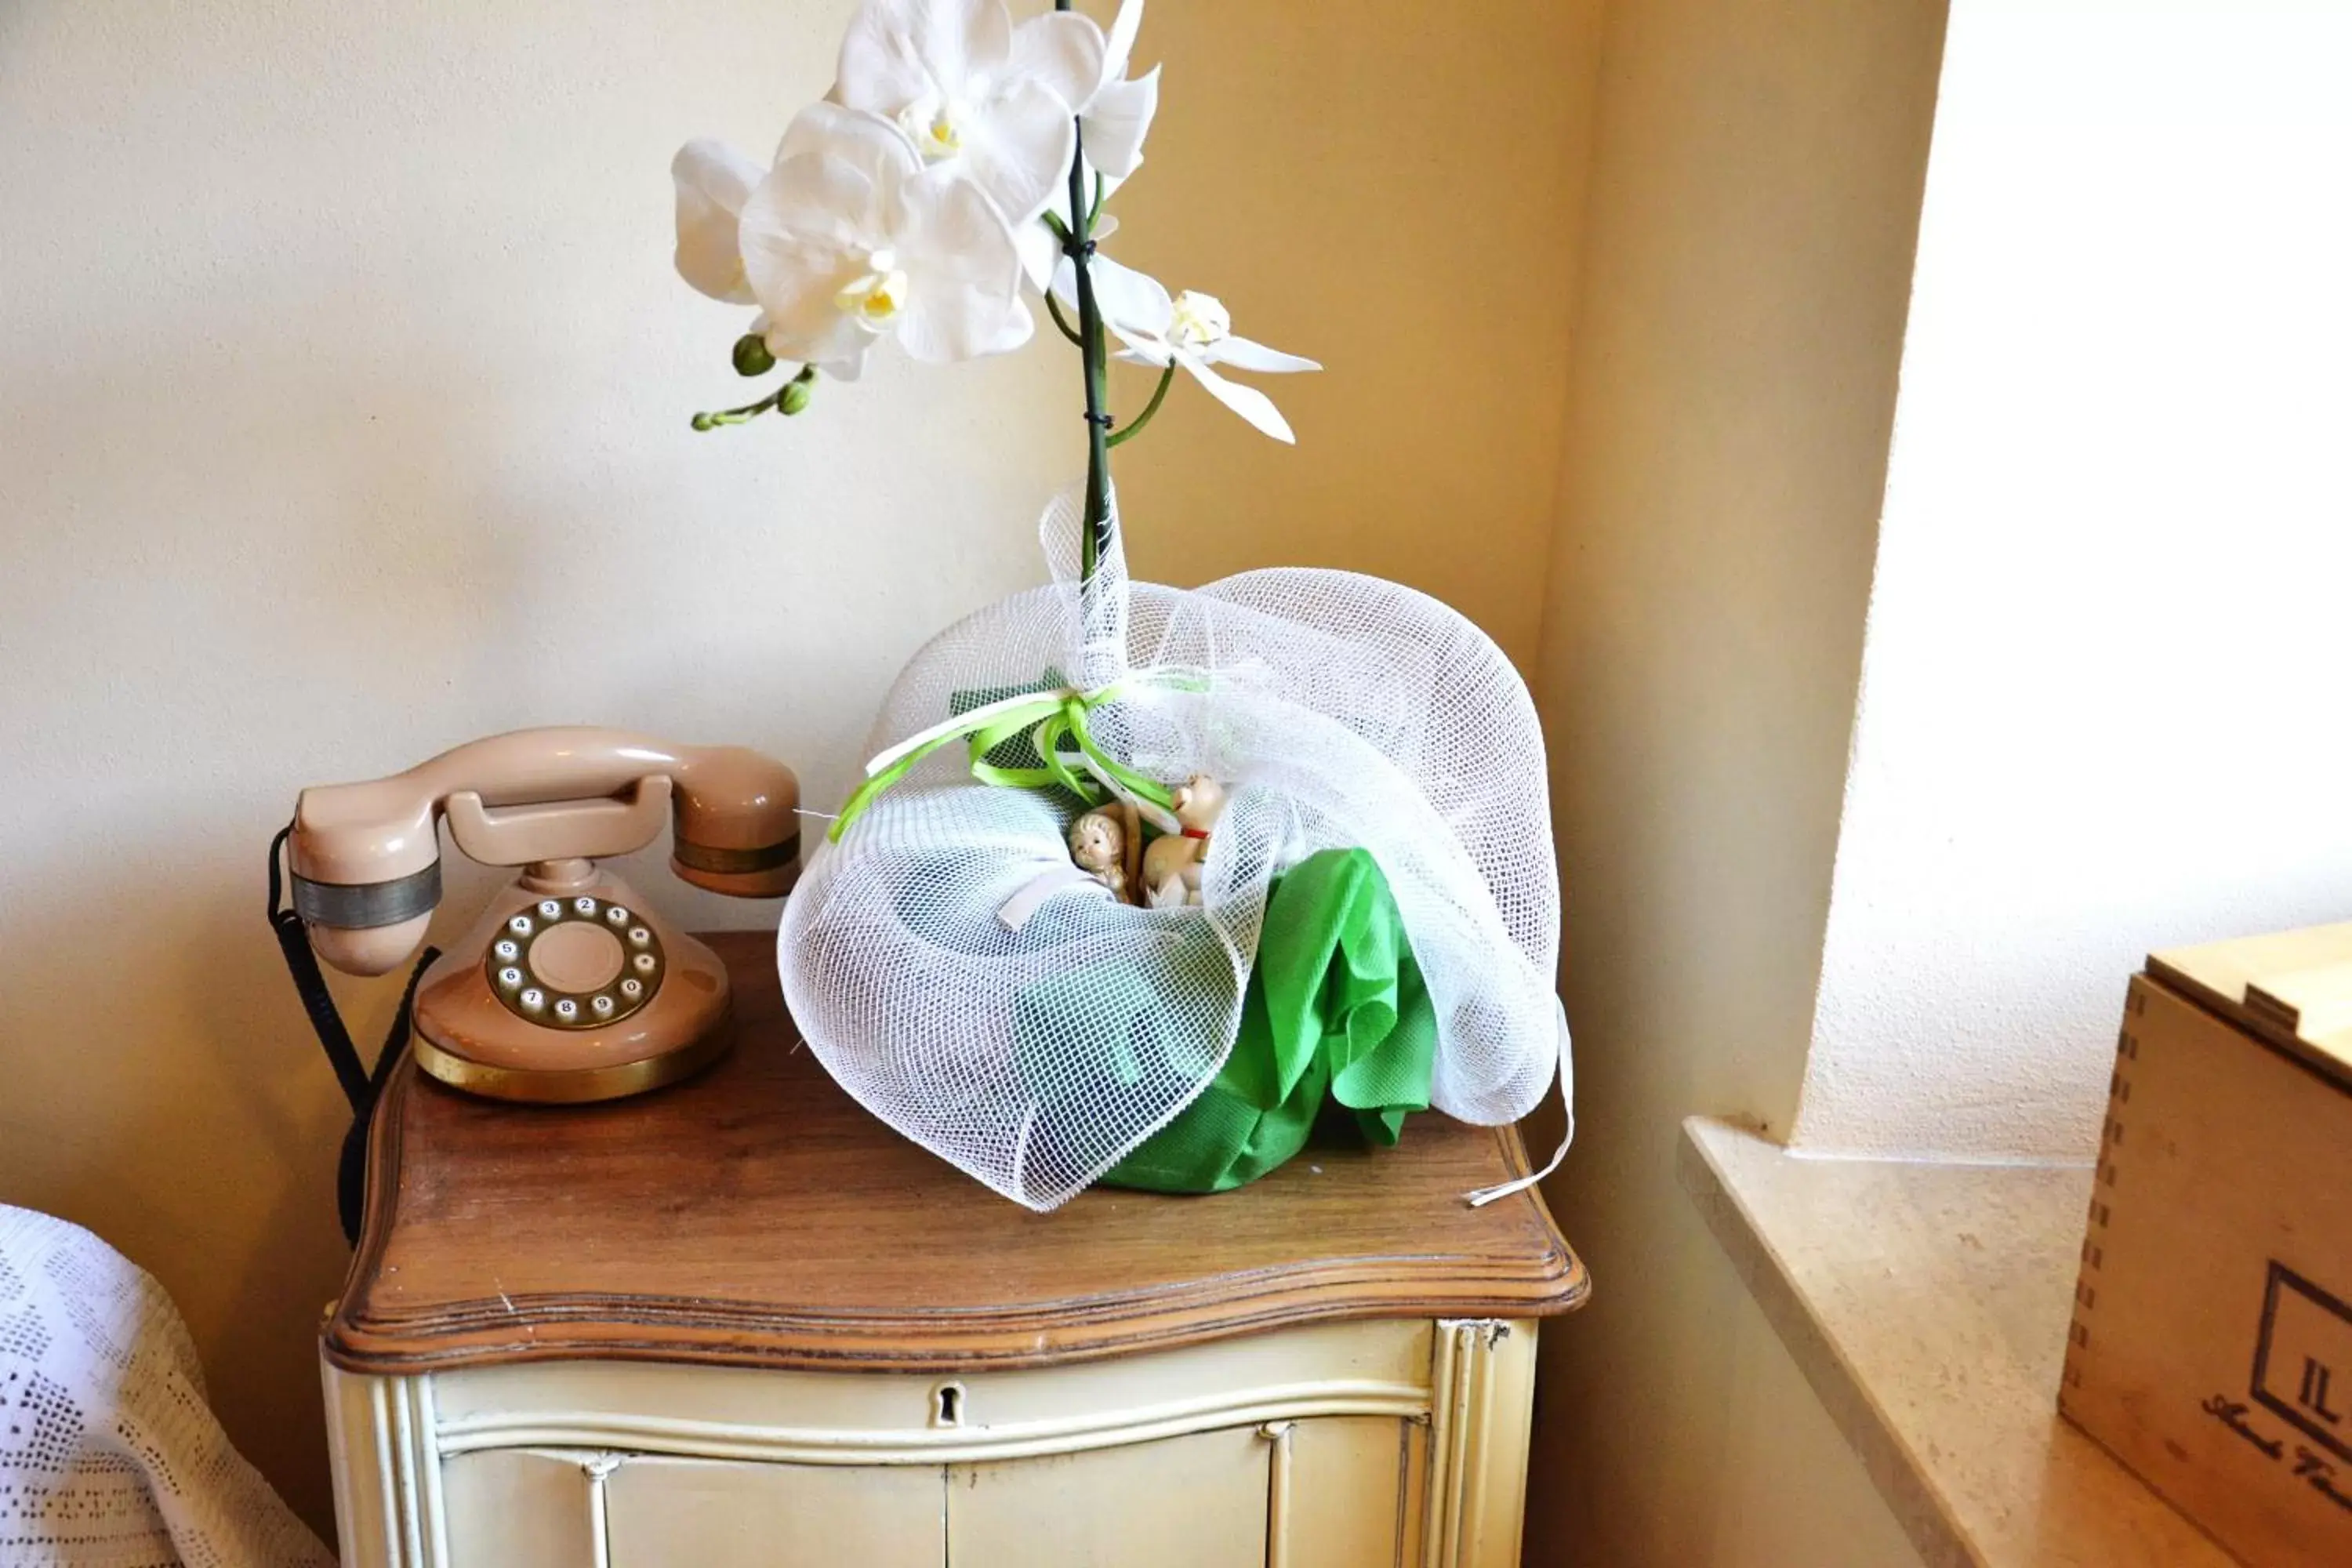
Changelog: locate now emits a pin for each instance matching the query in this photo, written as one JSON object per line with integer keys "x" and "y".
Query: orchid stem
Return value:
{"x": 722, "y": 418}
{"x": 1053, "y": 309}
{"x": 1095, "y": 540}
{"x": 1158, "y": 395}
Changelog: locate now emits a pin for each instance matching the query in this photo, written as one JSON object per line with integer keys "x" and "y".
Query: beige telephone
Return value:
{"x": 567, "y": 988}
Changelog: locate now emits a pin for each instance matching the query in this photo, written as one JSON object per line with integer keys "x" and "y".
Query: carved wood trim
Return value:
{"x": 384, "y": 1443}
{"x": 701, "y": 1439}
{"x": 1482, "y": 1378}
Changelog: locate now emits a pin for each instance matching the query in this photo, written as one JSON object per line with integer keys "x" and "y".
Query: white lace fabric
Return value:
{"x": 109, "y": 1456}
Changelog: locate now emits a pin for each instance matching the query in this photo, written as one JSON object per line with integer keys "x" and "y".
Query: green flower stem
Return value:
{"x": 742, "y": 415}
{"x": 1158, "y": 394}
{"x": 1078, "y": 246}
{"x": 1053, "y": 308}
{"x": 750, "y": 411}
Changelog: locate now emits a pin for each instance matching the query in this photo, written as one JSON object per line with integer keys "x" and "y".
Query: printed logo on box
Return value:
{"x": 2303, "y": 1360}
{"x": 2302, "y": 1374}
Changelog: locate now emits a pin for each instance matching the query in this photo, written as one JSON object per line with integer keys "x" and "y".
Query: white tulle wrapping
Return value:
{"x": 1341, "y": 710}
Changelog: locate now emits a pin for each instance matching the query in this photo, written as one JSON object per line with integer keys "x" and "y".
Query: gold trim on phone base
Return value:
{"x": 572, "y": 1085}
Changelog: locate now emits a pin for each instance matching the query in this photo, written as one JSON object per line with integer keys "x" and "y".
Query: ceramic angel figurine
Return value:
{"x": 1105, "y": 844}
{"x": 1171, "y": 863}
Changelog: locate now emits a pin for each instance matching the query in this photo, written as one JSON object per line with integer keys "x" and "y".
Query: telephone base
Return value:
{"x": 571, "y": 1086}
{"x": 565, "y": 998}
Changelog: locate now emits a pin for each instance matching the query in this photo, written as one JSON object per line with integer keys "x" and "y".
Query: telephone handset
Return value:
{"x": 567, "y": 988}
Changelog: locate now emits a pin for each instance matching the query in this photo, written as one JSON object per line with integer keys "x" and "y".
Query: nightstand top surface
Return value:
{"x": 756, "y": 1215}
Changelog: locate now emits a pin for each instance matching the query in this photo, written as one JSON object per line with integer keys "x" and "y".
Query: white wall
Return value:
{"x": 343, "y": 387}
{"x": 2106, "y": 667}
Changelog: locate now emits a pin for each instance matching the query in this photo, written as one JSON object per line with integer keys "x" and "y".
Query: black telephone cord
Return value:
{"x": 361, "y": 1086}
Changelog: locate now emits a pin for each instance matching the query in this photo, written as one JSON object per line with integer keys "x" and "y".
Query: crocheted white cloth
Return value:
{"x": 110, "y": 1458}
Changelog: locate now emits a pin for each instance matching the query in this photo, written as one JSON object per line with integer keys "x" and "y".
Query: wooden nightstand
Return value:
{"x": 739, "y": 1321}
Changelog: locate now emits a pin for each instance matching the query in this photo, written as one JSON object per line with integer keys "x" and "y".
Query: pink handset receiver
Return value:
{"x": 567, "y": 988}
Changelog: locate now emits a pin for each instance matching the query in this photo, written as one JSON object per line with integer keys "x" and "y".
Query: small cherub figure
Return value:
{"x": 1171, "y": 863}
{"x": 1103, "y": 844}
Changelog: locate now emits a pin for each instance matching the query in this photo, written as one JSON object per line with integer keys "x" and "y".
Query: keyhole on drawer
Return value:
{"x": 947, "y": 1404}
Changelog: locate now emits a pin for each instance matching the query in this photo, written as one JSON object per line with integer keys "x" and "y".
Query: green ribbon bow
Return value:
{"x": 1047, "y": 719}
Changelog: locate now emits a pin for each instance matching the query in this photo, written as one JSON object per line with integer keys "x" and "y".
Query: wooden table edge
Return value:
{"x": 499, "y": 1331}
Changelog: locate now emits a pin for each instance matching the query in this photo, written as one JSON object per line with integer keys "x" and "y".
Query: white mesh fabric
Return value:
{"x": 1341, "y": 712}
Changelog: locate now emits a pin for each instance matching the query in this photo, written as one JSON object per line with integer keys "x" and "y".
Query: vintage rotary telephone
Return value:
{"x": 567, "y": 988}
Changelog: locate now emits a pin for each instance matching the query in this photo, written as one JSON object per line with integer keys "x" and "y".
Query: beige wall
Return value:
{"x": 1788, "y": 1491}
{"x": 1754, "y": 192}
{"x": 343, "y": 418}
{"x": 1386, "y": 188}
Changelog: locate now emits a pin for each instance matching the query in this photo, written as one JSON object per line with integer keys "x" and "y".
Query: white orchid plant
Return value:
{"x": 959, "y": 167}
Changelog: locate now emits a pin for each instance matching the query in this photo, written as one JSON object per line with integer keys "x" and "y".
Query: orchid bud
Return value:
{"x": 795, "y": 396}
{"x": 752, "y": 355}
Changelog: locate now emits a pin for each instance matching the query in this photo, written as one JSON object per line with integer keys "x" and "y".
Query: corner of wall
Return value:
{"x": 1747, "y": 247}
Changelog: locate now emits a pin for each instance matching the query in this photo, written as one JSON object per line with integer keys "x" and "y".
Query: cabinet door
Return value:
{"x": 705, "y": 1513}
{"x": 1183, "y": 1502}
{"x": 1347, "y": 1494}
{"x": 519, "y": 1508}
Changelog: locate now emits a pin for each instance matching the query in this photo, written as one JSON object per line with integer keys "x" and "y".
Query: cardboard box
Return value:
{"x": 2211, "y": 1345}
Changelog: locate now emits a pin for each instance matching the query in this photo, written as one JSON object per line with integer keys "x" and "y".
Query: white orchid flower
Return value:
{"x": 1114, "y": 120}
{"x": 969, "y": 88}
{"x": 850, "y": 238}
{"x": 1118, "y": 116}
{"x": 713, "y": 182}
{"x": 1191, "y": 330}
